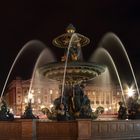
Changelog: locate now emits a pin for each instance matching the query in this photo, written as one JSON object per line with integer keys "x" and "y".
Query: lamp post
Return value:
{"x": 28, "y": 114}
{"x": 30, "y": 97}
{"x": 130, "y": 92}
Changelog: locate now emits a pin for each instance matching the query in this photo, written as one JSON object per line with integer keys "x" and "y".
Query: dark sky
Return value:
{"x": 22, "y": 21}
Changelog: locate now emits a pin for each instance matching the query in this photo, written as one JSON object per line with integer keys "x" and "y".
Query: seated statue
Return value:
{"x": 78, "y": 97}
{"x": 85, "y": 111}
{"x": 61, "y": 113}
{"x": 74, "y": 52}
{"x": 28, "y": 114}
{"x": 122, "y": 112}
{"x": 5, "y": 112}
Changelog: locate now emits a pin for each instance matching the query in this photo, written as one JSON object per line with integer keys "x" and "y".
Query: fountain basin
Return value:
{"x": 76, "y": 71}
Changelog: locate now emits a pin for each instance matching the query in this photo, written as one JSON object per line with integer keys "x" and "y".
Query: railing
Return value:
{"x": 70, "y": 130}
{"x": 115, "y": 130}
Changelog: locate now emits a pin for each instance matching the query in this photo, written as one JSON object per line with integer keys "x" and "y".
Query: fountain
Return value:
{"x": 71, "y": 74}
{"x": 109, "y": 43}
{"x": 72, "y": 79}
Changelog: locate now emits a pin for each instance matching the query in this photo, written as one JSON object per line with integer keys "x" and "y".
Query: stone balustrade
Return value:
{"x": 70, "y": 130}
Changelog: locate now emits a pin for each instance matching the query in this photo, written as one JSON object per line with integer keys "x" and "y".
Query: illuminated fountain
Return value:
{"x": 70, "y": 77}
{"x": 73, "y": 90}
{"x": 72, "y": 74}
{"x": 128, "y": 84}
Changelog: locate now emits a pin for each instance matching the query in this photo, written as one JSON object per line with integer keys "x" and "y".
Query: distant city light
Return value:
{"x": 51, "y": 105}
{"x": 25, "y": 100}
{"x": 110, "y": 108}
{"x": 106, "y": 109}
{"x": 42, "y": 106}
{"x": 11, "y": 110}
{"x": 93, "y": 92}
{"x": 51, "y": 91}
{"x": 32, "y": 91}
{"x": 130, "y": 92}
{"x": 30, "y": 96}
{"x": 93, "y": 109}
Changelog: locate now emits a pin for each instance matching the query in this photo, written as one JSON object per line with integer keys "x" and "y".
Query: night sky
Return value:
{"x": 22, "y": 21}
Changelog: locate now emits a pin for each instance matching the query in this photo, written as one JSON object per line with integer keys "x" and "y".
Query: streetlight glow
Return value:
{"x": 130, "y": 92}
{"x": 30, "y": 96}
{"x": 51, "y": 91}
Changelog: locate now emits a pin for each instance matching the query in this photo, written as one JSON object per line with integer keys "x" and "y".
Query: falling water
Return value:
{"x": 104, "y": 79}
{"x": 108, "y": 56}
{"x": 111, "y": 37}
{"x": 33, "y": 43}
{"x": 66, "y": 62}
{"x": 46, "y": 56}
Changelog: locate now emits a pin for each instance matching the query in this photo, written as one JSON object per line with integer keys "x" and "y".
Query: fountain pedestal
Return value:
{"x": 71, "y": 73}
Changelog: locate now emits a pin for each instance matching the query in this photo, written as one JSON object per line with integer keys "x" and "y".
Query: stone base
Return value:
{"x": 70, "y": 130}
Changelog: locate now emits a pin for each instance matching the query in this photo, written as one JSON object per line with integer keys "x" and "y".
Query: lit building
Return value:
{"x": 107, "y": 97}
{"x": 17, "y": 95}
{"x": 44, "y": 93}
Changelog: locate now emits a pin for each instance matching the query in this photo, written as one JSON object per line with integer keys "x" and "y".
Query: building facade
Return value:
{"x": 44, "y": 93}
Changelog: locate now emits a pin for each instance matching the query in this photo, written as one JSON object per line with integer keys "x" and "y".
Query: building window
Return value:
{"x": 97, "y": 102}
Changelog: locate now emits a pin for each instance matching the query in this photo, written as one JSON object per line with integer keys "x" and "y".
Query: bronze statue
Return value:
{"x": 122, "y": 112}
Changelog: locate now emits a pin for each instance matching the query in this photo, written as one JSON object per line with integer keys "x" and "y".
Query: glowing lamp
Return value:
{"x": 130, "y": 92}
{"x": 30, "y": 96}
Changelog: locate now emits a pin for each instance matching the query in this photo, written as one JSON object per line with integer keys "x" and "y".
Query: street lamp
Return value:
{"x": 28, "y": 114}
{"x": 130, "y": 92}
{"x": 30, "y": 97}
